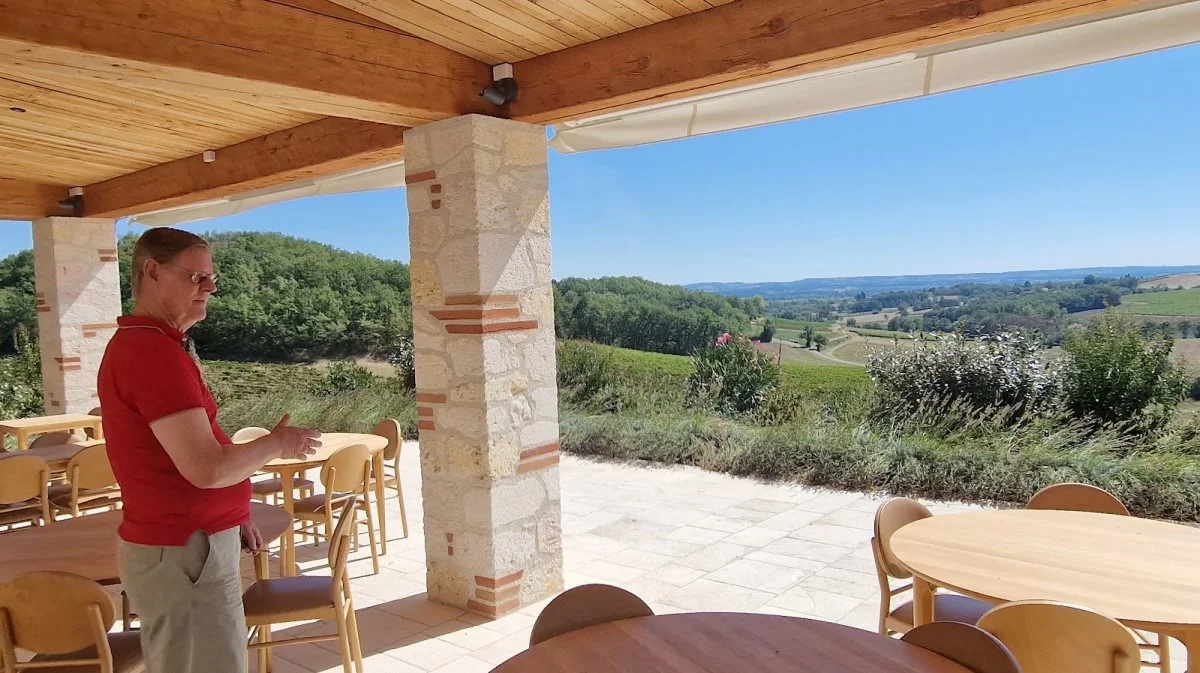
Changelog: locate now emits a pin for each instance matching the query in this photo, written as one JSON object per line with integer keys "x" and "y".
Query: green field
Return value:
{"x": 245, "y": 379}
{"x": 1171, "y": 303}
{"x": 882, "y": 333}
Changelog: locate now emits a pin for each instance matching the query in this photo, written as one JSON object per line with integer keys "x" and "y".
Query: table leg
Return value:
{"x": 380, "y": 493}
{"x": 22, "y": 440}
{"x": 1191, "y": 640}
{"x": 98, "y": 431}
{"x": 287, "y": 548}
{"x": 922, "y": 601}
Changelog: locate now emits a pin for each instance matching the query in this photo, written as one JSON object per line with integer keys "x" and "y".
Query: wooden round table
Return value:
{"x": 1138, "y": 571}
{"x": 87, "y": 545}
{"x": 725, "y": 642}
{"x": 331, "y": 442}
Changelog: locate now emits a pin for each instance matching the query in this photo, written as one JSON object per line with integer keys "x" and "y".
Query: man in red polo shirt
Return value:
{"x": 185, "y": 485}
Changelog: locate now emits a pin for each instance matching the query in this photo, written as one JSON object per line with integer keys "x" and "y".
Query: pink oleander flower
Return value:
{"x": 724, "y": 339}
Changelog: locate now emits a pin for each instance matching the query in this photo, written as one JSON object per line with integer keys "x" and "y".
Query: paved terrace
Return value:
{"x": 683, "y": 539}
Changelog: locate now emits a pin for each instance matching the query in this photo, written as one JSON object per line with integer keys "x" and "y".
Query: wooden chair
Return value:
{"x": 90, "y": 433}
{"x": 391, "y": 457}
{"x": 889, "y": 518}
{"x": 24, "y": 486}
{"x": 64, "y": 620}
{"x": 54, "y": 439}
{"x": 344, "y": 475}
{"x": 305, "y": 597}
{"x": 91, "y": 484}
{"x": 1073, "y": 497}
{"x": 1051, "y": 637}
{"x": 272, "y": 487}
{"x": 966, "y": 645}
{"x": 584, "y": 606}
{"x": 1077, "y": 498}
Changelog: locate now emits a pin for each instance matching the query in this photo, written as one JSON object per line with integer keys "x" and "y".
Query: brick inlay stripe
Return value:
{"x": 491, "y": 583}
{"x": 419, "y": 177}
{"x": 497, "y": 596}
{"x": 431, "y": 398}
{"x": 540, "y": 464}
{"x": 435, "y": 189}
{"x": 492, "y": 327}
{"x": 67, "y": 360}
{"x": 70, "y": 368}
{"x": 108, "y": 258}
{"x": 476, "y": 313}
{"x": 43, "y": 309}
{"x": 107, "y": 251}
{"x": 540, "y": 450}
{"x": 436, "y": 204}
{"x": 480, "y": 299}
{"x": 426, "y": 425}
{"x": 99, "y": 325}
{"x": 492, "y": 610}
{"x": 424, "y": 411}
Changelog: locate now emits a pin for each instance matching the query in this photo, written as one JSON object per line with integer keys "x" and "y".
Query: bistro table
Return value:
{"x": 57, "y": 456}
{"x": 23, "y": 428}
{"x": 726, "y": 642}
{"x": 1138, "y": 571}
{"x": 87, "y": 545}
{"x": 331, "y": 442}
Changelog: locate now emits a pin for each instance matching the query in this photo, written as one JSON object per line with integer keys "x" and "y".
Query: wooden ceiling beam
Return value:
{"x": 21, "y": 200}
{"x": 274, "y": 54}
{"x": 757, "y": 40}
{"x": 323, "y": 147}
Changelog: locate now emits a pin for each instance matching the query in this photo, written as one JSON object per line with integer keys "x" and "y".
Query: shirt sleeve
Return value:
{"x": 163, "y": 382}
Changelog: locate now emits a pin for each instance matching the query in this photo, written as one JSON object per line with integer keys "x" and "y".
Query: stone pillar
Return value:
{"x": 483, "y": 322}
{"x": 78, "y": 301}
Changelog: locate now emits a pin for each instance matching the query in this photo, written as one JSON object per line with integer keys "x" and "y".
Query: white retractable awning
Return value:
{"x": 384, "y": 176}
{"x": 1001, "y": 57}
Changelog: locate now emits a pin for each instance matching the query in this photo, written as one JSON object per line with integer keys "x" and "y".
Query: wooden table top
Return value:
{"x": 87, "y": 545}
{"x": 55, "y": 422}
{"x": 1139, "y": 571}
{"x": 725, "y": 642}
{"x": 330, "y": 443}
{"x": 56, "y": 456}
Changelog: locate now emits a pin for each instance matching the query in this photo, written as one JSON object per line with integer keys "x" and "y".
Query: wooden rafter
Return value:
{"x": 271, "y": 53}
{"x": 318, "y": 148}
{"x": 21, "y": 200}
{"x": 754, "y": 40}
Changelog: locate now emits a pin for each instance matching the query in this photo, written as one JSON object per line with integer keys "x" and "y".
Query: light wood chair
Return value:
{"x": 64, "y": 620}
{"x": 289, "y": 599}
{"x": 24, "y": 491}
{"x": 54, "y": 439}
{"x": 90, "y": 433}
{"x": 889, "y": 518}
{"x": 91, "y": 484}
{"x": 271, "y": 487}
{"x": 1052, "y": 637}
{"x": 344, "y": 475}
{"x": 966, "y": 645}
{"x": 1073, "y": 497}
{"x": 390, "y": 428}
{"x": 583, "y": 606}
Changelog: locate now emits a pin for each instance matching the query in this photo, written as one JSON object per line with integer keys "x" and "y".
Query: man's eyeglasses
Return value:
{"x": 197, "y": 277}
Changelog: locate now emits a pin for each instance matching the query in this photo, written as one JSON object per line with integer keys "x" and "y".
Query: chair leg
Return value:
{"x": 264, "y": 654}
{"x": 1164, "y": 653}
{"x": 403, "y": 513}
{"x": 355, "y": 643}
{"x": 344, "y": 643}
{"x": 371, "y": 538}
{"x": 126, "y": 612}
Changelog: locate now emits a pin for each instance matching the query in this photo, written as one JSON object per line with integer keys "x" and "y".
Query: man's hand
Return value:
{"x": 294, "y": 443}
{"x": 252, "y": 538}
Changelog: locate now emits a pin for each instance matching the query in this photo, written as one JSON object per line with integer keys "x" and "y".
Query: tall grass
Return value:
{"x": 355, "y": 411}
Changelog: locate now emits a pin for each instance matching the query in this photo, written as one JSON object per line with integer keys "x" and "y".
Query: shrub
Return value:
{"x": 402, "y": 361}
{"x": 21, "y": 379}
{"x": 768, "y": 332}
{"x": 956, "y": 373}
{"x": 1116, "y": 376}
{"x": 1194, "y": 390}
{"x": 732, "y": 375}
{"x": 343, "y": 376}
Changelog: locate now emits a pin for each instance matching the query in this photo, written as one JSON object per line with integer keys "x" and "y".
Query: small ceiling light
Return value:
{"x": 504, "y": 86}
{"x": 210, "y": 156}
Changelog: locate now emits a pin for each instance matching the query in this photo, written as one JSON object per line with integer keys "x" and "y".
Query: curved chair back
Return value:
{"x": 89, "y": 468}
{"x": 91, "y": 432}
{"x": 889, "y": 518}
{"x": 346, "y": 470}
{"x": 249, "y": 434}
{"x": 1077, "y": 498}
{"x": 584, "y": 606}
{"x": 56, "y": 613}
{"x": 22, "y": 478}
{"x": 54, "y": 439}
{"x": 1052, "y": 637}
{"x": 390, "y": 428}
{"x": 338, "y": 547}
{"x": 972, "y": 648}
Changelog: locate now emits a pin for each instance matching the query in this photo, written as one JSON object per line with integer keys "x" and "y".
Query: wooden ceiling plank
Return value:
{"x": 625, "y": 14}
{"x": 602, "y": 22}
{"x": 478, "y": 14}
{"x": 535, "y": 22}
{"x": 672, "y": 8}
{"x": 50, "y": 165}
{"x": 572, "y": 23}
{"x": 317, "y": 148}
{"x": 438, "y": 28}
{"x": 332, "y": 9}
{"x": 248, "y": 50}
{"x": 21, "y": 200}
{"x": 648, "y": 9}
{"x": 748, "y": 41}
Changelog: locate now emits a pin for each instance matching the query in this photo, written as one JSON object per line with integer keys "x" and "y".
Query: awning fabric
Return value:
{"x": 1005, "y": 56}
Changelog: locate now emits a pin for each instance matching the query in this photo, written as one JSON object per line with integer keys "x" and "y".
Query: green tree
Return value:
{"x": 768, "y": 332}
{"x": 820, "y": 340}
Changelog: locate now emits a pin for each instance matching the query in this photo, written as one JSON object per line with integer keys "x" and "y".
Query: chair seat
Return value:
{"x": 19, "y": 511}
{"x": 275, "y": 485}
{"x": 126, "y": 649}
{"x": 315, "y": 504}
{"x": 60, "y": 496}
{"x": 947, "y": 608}
{"x": 288, "y": 599}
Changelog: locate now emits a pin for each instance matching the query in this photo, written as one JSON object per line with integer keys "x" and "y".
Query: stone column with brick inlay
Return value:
{"x": 483, "y": 324}
{"x": 78, "y": 301}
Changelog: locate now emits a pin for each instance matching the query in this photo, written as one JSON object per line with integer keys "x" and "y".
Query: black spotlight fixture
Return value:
{"x": 503, "y": 88}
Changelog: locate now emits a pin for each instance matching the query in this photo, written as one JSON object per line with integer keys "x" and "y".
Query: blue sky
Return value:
{"x": 1095, "y": 166}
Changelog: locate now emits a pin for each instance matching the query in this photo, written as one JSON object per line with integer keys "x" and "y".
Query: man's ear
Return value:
{"x": 151, "y": 269}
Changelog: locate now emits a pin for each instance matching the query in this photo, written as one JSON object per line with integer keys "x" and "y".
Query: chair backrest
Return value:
{"x": 91, "y": 432}
{"x": 1077, "y": 498}
{"x": 22, "y": 478}
{"x": 248, "y": 434}
{"x": 970, "y": 647}
{"x": 346, "y": 470}
{"x": 56, "y": 613}
{"x": 889, "y": 518}
{"x": 89, "y": 468}
{"x": 54, "y": 439}
{"x": 1051, "y": 637}
{"x": 338, "y": 543}
{"x": 584, "y": 606}
{"x": 390, "y": 428}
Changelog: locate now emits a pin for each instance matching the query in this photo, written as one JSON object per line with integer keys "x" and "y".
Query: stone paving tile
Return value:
{"x": 714, "y": 556}
{"x": 631, "y": 530}
{"x": 816, "y": 603}
{"x": 790, "y": 520}
{"x": 465, "y": 665}
{"x": 806, "y": 549}
{"x": 672, "y": 516}
{"x": 746, "y": 514}
{"x": 611, "y": 572}
{"x": 426, "y": 653}
{"x": 755, "y": 536}
{"x": 675, "y": 574}
{"x": 767, "y": 505}
{"x": 673, "y": 548}
{"x": 695, "y": 535}
{"x": 807, "y": 565}
{"x": 640, "y": 559}
{"x": 721, "y": 523}
{"x": 757, "y": 575}
{"x": 705, "y": 595}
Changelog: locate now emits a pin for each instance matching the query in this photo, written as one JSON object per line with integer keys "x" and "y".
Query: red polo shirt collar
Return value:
{"x": 155, "y": 323}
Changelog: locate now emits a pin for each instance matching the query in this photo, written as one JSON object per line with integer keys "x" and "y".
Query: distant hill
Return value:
{"x": 1178, "y": 280}
{"x": 849, "y": 286}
